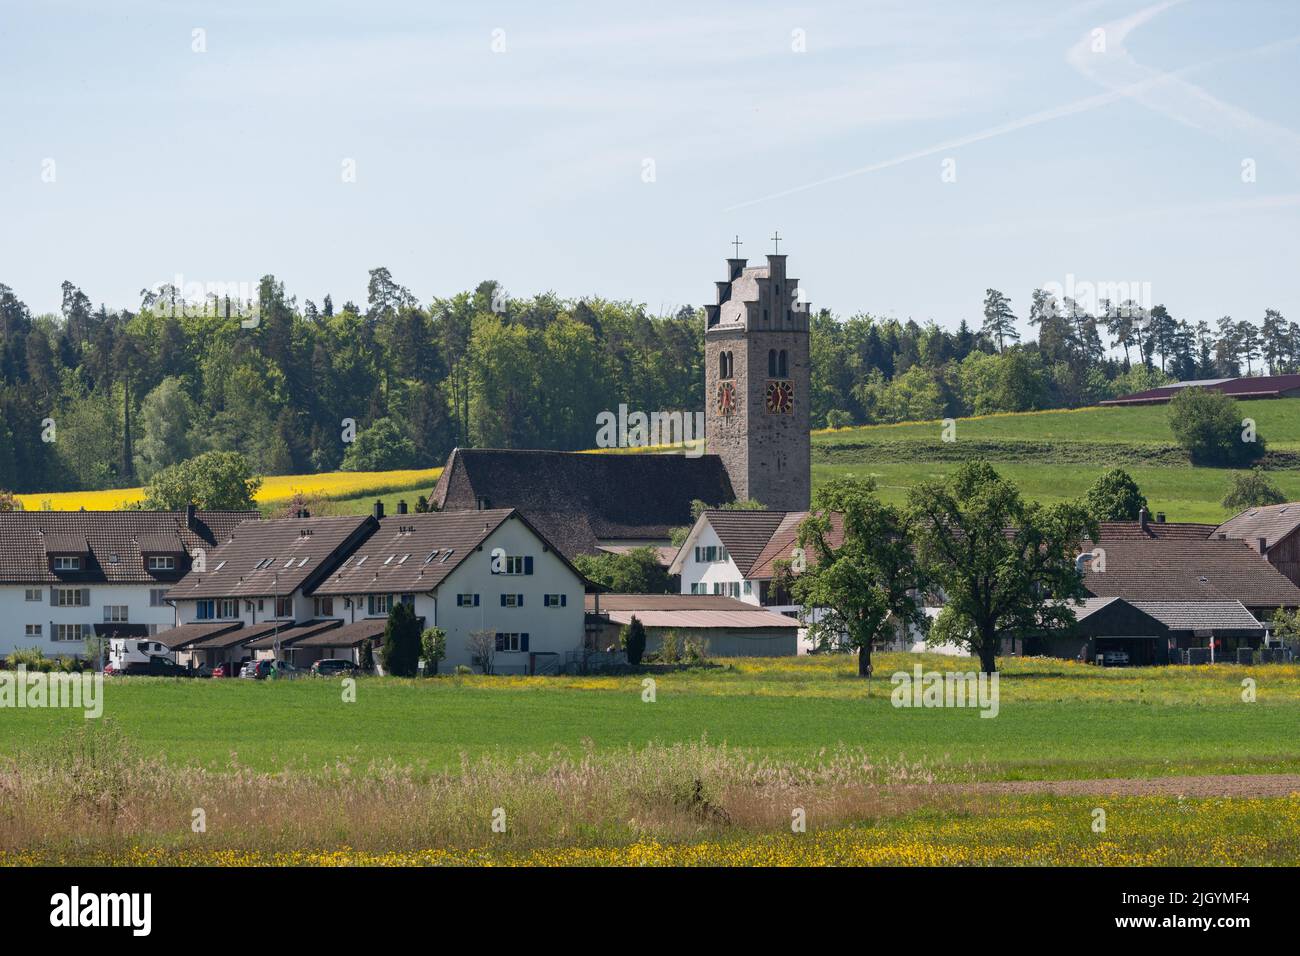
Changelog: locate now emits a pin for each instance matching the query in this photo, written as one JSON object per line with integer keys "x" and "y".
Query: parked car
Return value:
{"x": 223, "y": 670}
{"x": 248, "y": 670}
{"x": 274, "y": 670}
{"x": 1113, "y": 659}
{"x": 332, "y": 667}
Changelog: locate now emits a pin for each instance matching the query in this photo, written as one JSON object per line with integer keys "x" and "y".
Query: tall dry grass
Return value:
{"x": 93, "y": 796}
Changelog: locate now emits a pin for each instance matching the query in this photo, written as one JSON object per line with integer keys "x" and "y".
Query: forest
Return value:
{"x": 94, "y": 397}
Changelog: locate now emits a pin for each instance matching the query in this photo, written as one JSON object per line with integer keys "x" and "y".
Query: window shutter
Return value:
{"x": 476, "y": 600}
{"x": 503, "y": 600}
{"x": 697, "y": 554}
{"x": 564, "y": 600}
{"x": 528, "y": 564}
{"x": 501, "y": 642}
{"x": 85, "y": 597}
{"x": 519, "y": 600}
{"x": 523, "y": 642}
{"x": 54, "y": 597}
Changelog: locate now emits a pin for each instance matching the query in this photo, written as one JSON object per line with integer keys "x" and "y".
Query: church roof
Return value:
{"x": 576, "y": 500}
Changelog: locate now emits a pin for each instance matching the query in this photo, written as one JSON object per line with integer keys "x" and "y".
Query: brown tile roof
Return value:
{"x": 187, "y": 634}
{"x": 291, "y": 635}
{"x": 577, "y": 500}
{"x": 416, "y": 552}
{"x": 1154, "y": 530}
{"x": 1271, "y": 522}
{"x": 786, "y": 539}
{"x": 744, "y": 533}
{"x": 264, "y": 558}
{"x": 27, "y": 536}
{"x": 752, "y": 618}
{"x": 1189, "y": 570}
{"x": 1201, "y": 615}
{"x": 349, "y": 635}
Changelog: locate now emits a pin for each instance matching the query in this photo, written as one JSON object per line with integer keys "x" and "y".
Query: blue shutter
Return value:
{"x": 476, "y": 600}
{"x": 528, "y": 564}
{"x": 523, "y": 642}
{"x": 503, "y": 600}
{"x": 564, "y": 600}
{"x": 519, "y": 602}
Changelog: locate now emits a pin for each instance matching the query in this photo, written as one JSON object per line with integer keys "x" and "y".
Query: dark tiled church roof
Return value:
{"x": 575, "y": 499}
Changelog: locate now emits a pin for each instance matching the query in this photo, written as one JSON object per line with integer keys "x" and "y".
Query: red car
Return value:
{"x": 222, "y": 670}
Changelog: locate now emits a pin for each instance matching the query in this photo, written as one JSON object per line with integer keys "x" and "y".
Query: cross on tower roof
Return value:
{"x": 776, "y": 238}
{"x": 737, "y": 243}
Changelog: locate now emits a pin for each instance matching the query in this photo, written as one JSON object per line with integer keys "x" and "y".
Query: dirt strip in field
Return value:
{"x": 1215, "y": 785}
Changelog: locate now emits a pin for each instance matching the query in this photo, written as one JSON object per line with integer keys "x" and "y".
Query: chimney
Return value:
{"x": 190, "y": 520}
{"x": 1142, "y": 518}
{"x": 306, "y": 513}
{"x": 1160, "y": 517}
{"x": 379, "y": 510}
{"x": 401, "y": 507}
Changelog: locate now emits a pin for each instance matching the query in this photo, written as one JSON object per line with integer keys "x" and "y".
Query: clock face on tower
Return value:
{"x": 726, "y": 398}
{"x": 780, "y": 398}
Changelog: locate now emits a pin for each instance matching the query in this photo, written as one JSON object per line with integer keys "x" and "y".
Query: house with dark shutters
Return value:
{"x": 69, "y": 575}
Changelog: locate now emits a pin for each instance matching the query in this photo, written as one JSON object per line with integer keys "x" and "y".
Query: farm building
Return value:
{"x": 724, "y": 626}
{"x": 1255, "y": 386}
{"x": 1273, "y": 531}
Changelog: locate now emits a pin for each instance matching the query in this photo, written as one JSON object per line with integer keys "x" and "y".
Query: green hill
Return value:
{"x": 1056, "y": 455}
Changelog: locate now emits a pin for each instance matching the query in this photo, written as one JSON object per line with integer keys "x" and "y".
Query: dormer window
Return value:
{"x": 162, "y": 562}
{"x": 67, "y": 563}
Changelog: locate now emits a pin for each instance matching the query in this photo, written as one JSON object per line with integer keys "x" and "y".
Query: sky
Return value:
{"x": 910, "y": 154}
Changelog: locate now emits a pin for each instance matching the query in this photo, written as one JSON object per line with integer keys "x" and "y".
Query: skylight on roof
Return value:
{"x": 447, "y": 555}
{"x": 302, "y": 562}
{"x": 390, "y": 559}
{"x": 219, "y": 566}
{"x": 432, "y": 554}
{"x": 404, "y": 557}
{"x": 361, "y": 561}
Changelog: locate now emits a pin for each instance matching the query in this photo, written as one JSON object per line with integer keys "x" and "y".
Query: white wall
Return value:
{"x": 16, "y": 612}
{"x": 707, "y": 573}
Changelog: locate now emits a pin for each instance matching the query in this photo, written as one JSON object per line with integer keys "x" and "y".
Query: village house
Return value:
{"x": 467, "y": 572}
{"x": 256, "y": 584}
{"x": 66, "y": 576}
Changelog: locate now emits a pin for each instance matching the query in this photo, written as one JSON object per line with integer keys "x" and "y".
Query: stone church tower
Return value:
{"x": 757, "y": 382}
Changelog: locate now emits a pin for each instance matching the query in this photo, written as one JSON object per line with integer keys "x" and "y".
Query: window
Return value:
{"x": 555, "y": 600}
{"x": 695, "y": 589}
{"x": 34, "y": 594}
{"x": 205, "y": 610}
{"x": 771, "y": 363}
{"x": 324, "y": 607}
{"x": 782, "y": 369}
{"x": 32, "y": 630}
{"x": 284, "y": 607}
{"x": 71, "y": 597}
{"x": 228, "y": 607}
{"x": 467, "y": 600}
{"x": 717, "y": 587}
{"x": 512, "y": 600}
{"x": 733, "y": 589}
{"x": 157, "y": 597}
{"x": 482, "y": 503}
{"x": 162, "y": 562}
{"x": 67, "y": 564}
{"x": 749, "y": 587}
{"x": 115, "y": 613}
{"x": 511, "y": 641}
{"x": 379, "y": 603}
{"x": 408, "y": 600}
{"x": 68, "y": 632}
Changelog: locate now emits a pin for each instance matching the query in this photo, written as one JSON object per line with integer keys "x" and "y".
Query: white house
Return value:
{"x": 66, "y": 576}
{"x": 255, "y": 585}
{"x": 475, "y": 574}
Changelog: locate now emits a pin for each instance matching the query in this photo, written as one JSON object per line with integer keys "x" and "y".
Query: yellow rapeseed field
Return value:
{"x": 275, "y": 488}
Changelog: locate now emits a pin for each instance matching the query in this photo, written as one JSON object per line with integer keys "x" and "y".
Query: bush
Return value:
{"x": 695, "y": 652}
{"x": 367, "y": 656}
{"x": 1251, "y": 489}
{"x": 670, "y": 648}
{"x": 633, "y": 639}
{"x": 433, "y": 642}
{"x": 1209, "y": 427}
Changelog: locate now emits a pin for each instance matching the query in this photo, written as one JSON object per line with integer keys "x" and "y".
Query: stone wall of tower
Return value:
{"x": 767, "y": 455}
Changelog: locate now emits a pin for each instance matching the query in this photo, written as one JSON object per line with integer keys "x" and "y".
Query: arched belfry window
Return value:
{"x": 781, "y": 367}
{"x": 771, "y": 363}
{"x": 722, "y": 365}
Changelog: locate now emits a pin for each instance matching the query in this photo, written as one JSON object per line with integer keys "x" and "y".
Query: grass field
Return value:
{"x": 589, "y": 772}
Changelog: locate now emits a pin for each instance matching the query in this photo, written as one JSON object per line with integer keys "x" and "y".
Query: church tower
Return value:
{"x": 757, "y": 382}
